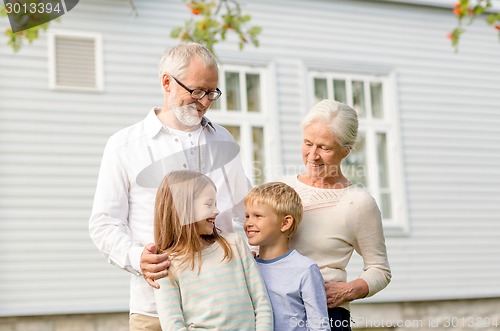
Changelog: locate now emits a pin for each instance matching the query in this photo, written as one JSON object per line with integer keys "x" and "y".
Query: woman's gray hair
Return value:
{"x": 339, "y": 117}
{"x": 175, "y": 60}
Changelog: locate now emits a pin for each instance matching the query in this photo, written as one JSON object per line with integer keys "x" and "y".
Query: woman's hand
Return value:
{"x": 153, "y": 265}
{"x": 339, "y": 292}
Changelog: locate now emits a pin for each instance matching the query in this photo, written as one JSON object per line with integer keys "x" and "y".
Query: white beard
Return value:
{"x": 187, "y": 115}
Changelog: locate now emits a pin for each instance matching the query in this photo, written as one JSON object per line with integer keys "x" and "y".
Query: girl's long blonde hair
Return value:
{"x": 174, "y": 228}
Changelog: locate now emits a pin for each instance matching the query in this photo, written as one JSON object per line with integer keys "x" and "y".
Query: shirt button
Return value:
{"x": 189, "y": 134}
{"x": 176, "y": 140}
{"x": 185, "y": 166}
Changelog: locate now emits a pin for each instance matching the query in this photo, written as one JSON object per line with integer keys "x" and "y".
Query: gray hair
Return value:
{"x": 176, "y": 59}
{"x": 339, "y": 117}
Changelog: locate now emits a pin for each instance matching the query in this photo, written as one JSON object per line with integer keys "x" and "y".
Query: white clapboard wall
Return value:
{"x": 51, "y": 139}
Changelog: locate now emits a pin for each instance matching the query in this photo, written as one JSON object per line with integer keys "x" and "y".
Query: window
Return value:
{"x": 242, "y": 110}
{"x": 375, "y": 160}
{"x": 75, "y": 61}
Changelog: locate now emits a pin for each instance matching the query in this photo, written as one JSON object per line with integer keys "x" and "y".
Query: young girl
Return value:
{"x": 213, "y": 283}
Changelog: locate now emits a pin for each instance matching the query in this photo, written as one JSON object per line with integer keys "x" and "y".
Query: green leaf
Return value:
{"x": 31, "y": 34}
{"x": 478, "y": 10}
{"x": 492, "y": 18}
{"x": 175, "y": 32}
{"x": 245, "y": 18}
{"x": 255, "y": 30}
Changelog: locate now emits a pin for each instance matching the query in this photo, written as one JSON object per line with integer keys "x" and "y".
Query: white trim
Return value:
{"x": 274, "y": 151}
{"x": 401, "y": 223}
{"x": 495, "y": 4}
{"x": 246, "y": 120}
{"x": 98, "y": 55}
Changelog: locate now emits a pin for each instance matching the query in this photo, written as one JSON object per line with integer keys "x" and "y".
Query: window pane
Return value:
{"x": 215, "y": 105}
{"x": 258, "y": 155}
{"x": 233, "y": 91}
{"x": 386, "y": 206}
{"x": 358, "y": 97}
{"x": 377, "y": 102}
{"x": 253, "y": 92}
{"x": 339, "y": 91}
{"x": 320, "y": 89}
{"x": 354, "y": 165}
{"x": 235, "y": 132}
{"x": 382, "y": 160}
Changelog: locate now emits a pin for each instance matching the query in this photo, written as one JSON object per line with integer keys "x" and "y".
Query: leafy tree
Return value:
{"x": 212, "y": 20}
{"x": 466, "y": 12}
{"x": 27, "y": 25}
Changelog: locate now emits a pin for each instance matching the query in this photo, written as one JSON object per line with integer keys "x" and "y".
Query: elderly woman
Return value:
{"x": 338, "y": 217}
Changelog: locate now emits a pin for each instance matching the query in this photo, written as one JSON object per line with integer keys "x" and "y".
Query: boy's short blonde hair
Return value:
{"x": 282, "y": 199}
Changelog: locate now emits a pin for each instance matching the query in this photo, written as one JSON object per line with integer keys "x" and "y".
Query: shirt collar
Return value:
{"x": 206, "y": 123}
{"x": 153, "y": 125}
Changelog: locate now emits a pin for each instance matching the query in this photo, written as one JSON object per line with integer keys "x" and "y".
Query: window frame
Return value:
{"x": 398, "y": 224}
{"x": 246, "y": 120}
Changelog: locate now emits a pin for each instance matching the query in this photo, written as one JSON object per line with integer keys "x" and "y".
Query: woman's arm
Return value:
{"x": 368, "y": 240}
{"x": 369, "y": 243}
{"x": 339, "y": 292}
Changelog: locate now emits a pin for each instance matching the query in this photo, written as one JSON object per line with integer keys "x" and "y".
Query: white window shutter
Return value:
{"x": 75, "y": 61}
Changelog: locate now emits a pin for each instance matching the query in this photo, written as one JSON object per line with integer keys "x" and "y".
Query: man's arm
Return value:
{"x": 109, "y": 227}
{"x": 108, "y": 223}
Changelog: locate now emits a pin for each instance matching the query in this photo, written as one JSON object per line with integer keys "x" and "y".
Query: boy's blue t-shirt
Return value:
{"x": 297, "y": 292}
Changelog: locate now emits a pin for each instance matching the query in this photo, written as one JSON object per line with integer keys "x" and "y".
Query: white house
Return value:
{"x": 429, "y": 148}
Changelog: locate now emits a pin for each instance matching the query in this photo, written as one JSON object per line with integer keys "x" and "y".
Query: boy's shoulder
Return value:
{"x": 293, "y": 264}
{"x": 292, "y": 257}
{"x": 304, "y": 260}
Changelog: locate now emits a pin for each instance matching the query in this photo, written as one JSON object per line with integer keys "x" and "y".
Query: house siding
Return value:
{"x": 448, "y": 105}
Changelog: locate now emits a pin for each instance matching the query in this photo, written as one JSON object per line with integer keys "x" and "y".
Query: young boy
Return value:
{"x": 273, "y": 212}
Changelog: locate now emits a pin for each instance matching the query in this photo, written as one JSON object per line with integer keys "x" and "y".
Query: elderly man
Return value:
{"x": 135, "y": 160}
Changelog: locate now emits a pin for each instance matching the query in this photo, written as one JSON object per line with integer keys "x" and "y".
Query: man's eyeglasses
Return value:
{"x": 199, "y": 94}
